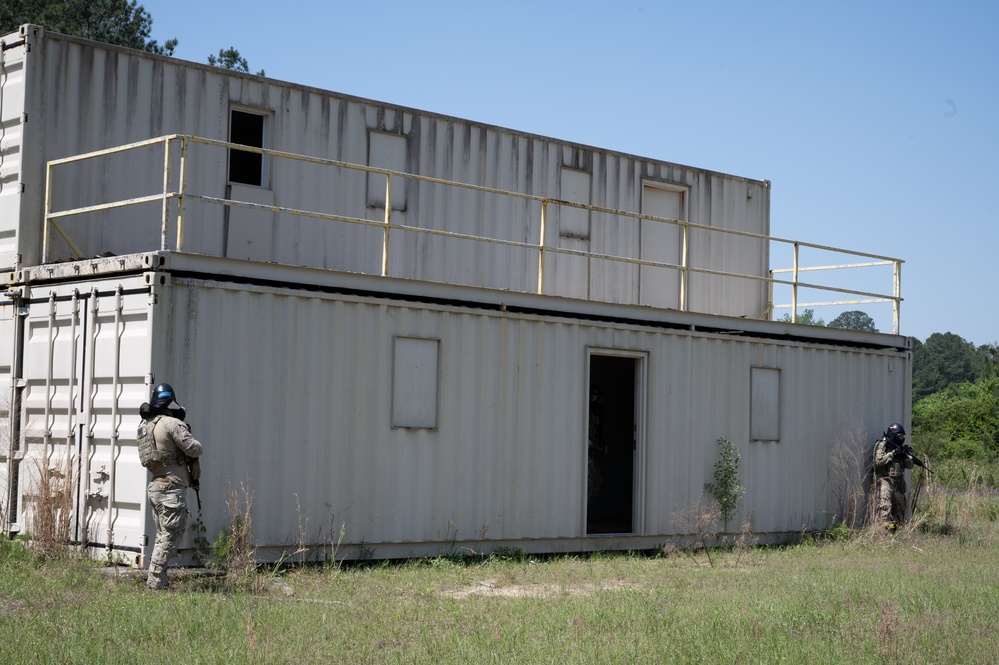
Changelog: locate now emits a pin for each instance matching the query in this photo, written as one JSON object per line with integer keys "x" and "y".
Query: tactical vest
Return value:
{"x": 148, "y": 452}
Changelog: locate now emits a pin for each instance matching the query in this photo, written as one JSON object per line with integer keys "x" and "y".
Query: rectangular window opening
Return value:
{"x": 246, "y": 128}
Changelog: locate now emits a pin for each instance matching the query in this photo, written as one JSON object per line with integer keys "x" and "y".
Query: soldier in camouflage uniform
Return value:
{"x": 167, "y": 491}
{"x": 890, "y": 463}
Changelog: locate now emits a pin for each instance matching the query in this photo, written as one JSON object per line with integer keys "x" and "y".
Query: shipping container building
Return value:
{"x": 403, "y": 331}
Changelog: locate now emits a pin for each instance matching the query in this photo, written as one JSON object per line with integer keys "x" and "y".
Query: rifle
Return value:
{"x": 907, "y": 451}
{"x": 194, "y": 468}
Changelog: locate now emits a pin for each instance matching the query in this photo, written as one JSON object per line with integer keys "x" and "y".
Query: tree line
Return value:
{"x": 955, "y": 398}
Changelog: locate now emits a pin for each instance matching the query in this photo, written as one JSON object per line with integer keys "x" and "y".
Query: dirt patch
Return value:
{"x": 490, "y": 589}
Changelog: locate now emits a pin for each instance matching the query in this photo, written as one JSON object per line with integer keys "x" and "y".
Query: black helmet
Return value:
{"x": 164, "y": 397}
{"x": 895, "y": 434}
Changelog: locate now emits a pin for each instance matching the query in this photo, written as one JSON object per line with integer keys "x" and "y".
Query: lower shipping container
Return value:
{"x": 405, "y": 418}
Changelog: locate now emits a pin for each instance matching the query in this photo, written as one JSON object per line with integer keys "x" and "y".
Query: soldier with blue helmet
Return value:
{"x": 170, "y": 452}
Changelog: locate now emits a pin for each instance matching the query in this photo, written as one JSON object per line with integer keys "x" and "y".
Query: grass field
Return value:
{"x": 929, "y": 594}
{"x": 912, "y": 598}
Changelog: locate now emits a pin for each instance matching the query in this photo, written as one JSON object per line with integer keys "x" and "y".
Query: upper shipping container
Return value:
{"x": 64, "y": 96}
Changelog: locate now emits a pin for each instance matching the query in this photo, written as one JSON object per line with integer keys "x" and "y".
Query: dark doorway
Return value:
{"x": 610, "y": 477}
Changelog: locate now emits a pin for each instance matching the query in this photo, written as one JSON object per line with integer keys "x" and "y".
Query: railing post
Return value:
{"x": 770, "y": 300}
{"x": 897, "y": 302}
{"x": 165, "y": 221}
{"x": 182, "y": 186}
{"x": 541, "y": 248}
{"x": 388, "y": 224}
{"x": 48, "y": 211}
{"x": 684, "y": 257}
{"x": 794, "y": 287}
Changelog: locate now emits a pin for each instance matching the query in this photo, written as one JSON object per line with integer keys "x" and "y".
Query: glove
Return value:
{"x": 194, "y": 468}
{"x": 901, "y": 453}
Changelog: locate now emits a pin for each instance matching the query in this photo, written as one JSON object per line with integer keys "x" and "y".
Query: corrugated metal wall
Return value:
{"x": 291, "y": 393}
{"x": 84, "y": 96}
{"x": 310, "y": 378}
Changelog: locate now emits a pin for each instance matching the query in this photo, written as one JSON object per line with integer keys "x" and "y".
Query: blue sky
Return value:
{"x": 877, "y": 122}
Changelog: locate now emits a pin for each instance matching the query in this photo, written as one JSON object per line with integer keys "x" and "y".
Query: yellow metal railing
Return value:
{"x": 544, "y": 248}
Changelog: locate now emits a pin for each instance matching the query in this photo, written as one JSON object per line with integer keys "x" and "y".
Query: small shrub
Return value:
{"x": 202, "y": 546}
{"x": 838, "y": 531}
{"x": 726, "y": 488}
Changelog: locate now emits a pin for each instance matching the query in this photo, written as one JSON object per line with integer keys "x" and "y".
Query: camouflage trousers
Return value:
{"x": 890, "y": 508}
{"x": 169, "y": 503}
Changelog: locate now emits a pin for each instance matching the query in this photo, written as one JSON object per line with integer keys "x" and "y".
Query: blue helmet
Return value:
{"x": 163, "y": 395}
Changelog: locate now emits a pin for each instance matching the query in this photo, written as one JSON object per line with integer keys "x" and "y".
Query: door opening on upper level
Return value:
{"x": 661, "y": 242}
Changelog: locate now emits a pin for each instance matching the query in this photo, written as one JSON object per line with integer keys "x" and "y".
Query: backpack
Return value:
{"x": 149, "y": 454}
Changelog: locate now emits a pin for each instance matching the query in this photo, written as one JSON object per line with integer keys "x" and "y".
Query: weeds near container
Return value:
{"x": 364, "y": 551}
{"x": 745, "y": 542}
{"x": 701, "y": 519}
{"x": 850, "y": 463}
{"x": 234, "y": 547}
{"x": 514, "y": 554}
{"x": 302, "y": 548}
{"x": 49, "y": 519}
{"x": 332, "y": 561}
{"x": 838, "y": 531}
{"x": 451, "y": 539}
